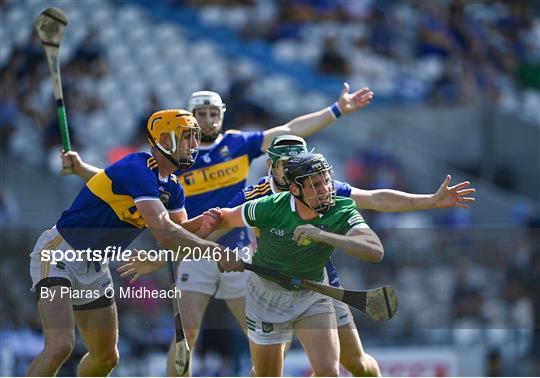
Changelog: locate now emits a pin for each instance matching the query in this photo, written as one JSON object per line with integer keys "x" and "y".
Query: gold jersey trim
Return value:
{"x": 151, "y": 163}
{"x": 259, "y": 189}
{"x": 46, "y": 265}
{"x": 101, "y": 186}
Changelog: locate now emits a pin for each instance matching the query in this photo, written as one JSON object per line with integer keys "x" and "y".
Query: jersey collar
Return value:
{"x": 293, "y": 204}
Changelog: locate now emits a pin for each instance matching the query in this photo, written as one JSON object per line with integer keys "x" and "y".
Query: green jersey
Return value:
{"x": 276, "y": 218}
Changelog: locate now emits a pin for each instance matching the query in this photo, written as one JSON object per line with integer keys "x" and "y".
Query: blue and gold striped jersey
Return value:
{"x": 104, "y": 212}
{"x": 219, "y": 172}
{"x": 265, "y": 187}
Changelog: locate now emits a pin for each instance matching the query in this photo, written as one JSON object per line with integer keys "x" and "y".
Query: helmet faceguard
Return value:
{"x": 281, "y": 148}
{"x": 210, "y": 100}
{"x": 314, "y": 176}
{"x": 185, "y": 136}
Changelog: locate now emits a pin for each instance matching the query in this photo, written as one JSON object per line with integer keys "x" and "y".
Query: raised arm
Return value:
{"x": 389, "y": 200}
{"x": 80, "y": 168}
{"x": 309, "y": 124}
{"x": 360, "y": 243}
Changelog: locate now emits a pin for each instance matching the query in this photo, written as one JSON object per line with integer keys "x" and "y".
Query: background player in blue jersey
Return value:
{"x": 114, "y": 207}
{"x": 352, "y": 355}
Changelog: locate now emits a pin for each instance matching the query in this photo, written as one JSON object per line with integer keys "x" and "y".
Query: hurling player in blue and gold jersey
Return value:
{"x": 118, "y": 203}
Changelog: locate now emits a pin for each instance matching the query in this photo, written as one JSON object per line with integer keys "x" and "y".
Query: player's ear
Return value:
{"x": 165, "y": 141}
{"x": 293, "y": 188}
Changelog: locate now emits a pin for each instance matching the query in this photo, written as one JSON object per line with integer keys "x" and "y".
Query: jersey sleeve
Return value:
{"x": 256, "y": 213}
{"x": 252, "y": 192}
{"x": 178, "y": 200}
{"x": 254, "y": 141}
{"x": 343, "y": 189}
{"x": 351, "y": 219}
{"x": 135, "y": 179}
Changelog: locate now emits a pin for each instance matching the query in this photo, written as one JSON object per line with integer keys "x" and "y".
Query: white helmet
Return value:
{"x": 205, "y": 98}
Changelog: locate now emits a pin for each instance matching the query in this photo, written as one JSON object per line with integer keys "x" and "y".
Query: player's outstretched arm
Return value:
{"x": 167, "y": 233}
{"x": 238, "y": 200}
{"x": 388, "y": 200}
{"x": 361, "y": 243}
{"x": 231, "y": 218}
{"x": 80, "y": 168}
{"x": 309, "y": 124}
{"x": 174, "y": 237}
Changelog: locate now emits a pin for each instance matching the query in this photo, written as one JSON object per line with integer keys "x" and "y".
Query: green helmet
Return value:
{"x": 286, "y": 146}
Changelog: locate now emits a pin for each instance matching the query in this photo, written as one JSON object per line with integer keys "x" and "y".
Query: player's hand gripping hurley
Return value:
{"x": 50, "y": 26}
{"x": 182, "y": 355}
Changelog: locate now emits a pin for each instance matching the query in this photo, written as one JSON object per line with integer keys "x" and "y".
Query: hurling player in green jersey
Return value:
{"x": 299, "y": 230}
{"x": 352, "y": 355}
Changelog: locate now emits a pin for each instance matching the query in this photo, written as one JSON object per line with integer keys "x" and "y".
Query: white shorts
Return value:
{"x": 343, "y": 313}
{"x": 89, "y": 281}
{"x": 204, "y": 277}
{"x": 272, "y": 310}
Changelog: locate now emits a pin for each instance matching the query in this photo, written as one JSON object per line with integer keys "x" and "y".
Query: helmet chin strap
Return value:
{"x": 180, "y": 163}
{"x": 185, "y": 164}
{"x": 299, "y": 198}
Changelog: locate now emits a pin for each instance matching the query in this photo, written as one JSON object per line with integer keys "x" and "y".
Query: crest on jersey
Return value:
{"x": 225, "y": 151}
{"x": 267, "y": 327}
{"x": 277, "y": 231}
{"x": 323, "y": 227}
{"x": 164, "y": 197}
